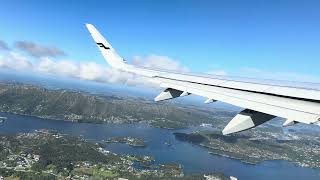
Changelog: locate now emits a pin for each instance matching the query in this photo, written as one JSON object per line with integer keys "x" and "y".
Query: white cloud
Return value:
{"x": 96, "y": 72}
{"x": 82, "y": 70}
{"x": 62, "y": 67}
{"x": 255, "y": 74}
{"x": 91, "y": 71}
{"x": 218, "y": 72}
{"x": 160, "y": 62}
{"x": 15, "y": 61}
{"x": 288, "y": 76}
{"x": 4, "y": 46}
{"x": 85, "y": 70}
{"x": 38, "y": 50}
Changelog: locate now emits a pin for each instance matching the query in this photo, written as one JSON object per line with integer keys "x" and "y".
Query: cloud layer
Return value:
{"x": 274, "y": 75}
{"x": 4, "y": 46}
{"x": 44, "y": 60}
{"x": 37, "y": 50}
{"x": 15, "y": 61}
{"x": 219, "y": 72}
{"x": 159, "y": 62}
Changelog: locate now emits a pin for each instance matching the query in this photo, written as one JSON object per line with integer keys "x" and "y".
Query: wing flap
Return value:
{"x": 168, "y": 93}
{"x": 246, "y": 119}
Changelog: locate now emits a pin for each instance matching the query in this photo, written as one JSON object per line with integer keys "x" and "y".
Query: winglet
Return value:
{"x": 106, "y": 49}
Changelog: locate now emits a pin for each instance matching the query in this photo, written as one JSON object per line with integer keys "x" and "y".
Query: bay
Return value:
{"x": 162, "y": 145}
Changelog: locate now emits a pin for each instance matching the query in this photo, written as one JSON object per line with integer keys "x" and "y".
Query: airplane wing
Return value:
{"x": 261, "y": 101}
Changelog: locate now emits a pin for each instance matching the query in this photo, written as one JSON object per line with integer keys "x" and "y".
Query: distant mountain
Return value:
{"x": 80, "y": 106}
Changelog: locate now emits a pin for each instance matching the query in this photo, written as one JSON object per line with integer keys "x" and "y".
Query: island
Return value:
{"x": 131, "y": 141}
{"x": 46, "y": 154}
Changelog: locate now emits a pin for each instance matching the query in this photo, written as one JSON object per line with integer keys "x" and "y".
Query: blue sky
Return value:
{"x": 237, "y": 37}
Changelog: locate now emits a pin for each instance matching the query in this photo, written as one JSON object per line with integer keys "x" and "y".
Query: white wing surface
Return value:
{"x": 262, "y": 101}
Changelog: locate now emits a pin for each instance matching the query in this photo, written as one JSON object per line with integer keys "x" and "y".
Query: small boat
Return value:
{"x": 3, "y": 119}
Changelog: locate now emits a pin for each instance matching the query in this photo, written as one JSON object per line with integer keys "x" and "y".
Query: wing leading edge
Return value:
{"x": 261, "y": 101}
